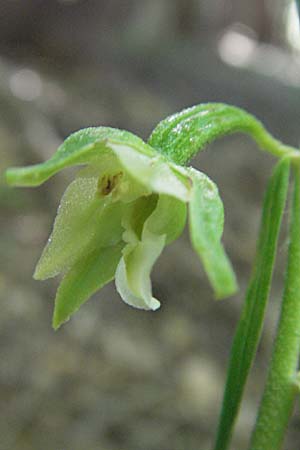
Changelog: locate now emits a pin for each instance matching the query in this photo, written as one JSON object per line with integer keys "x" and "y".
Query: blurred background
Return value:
{"x": 115, "y": 378}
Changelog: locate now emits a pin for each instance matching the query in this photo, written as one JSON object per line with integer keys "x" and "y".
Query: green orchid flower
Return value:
{"x": 115, "y": 218}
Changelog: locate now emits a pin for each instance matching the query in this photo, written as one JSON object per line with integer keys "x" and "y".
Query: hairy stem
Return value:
{"x": 281, "y": 387}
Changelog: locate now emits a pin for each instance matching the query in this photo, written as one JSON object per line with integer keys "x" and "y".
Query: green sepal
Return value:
{"x": 83, "y": 221}
{"x": 91, "y": 145}
{"x": 86, "y": 277}
{"x": 180, "y": 136}
{"x": 81, "y": 147}
{"x": 206, "y": 219}
{"x": 250, "y": 325}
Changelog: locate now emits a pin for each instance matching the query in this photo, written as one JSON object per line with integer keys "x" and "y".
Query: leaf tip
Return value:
{"x": 9, "y": 177}
{"x": 39, "y": 274}
{"x": 23, "y": 176}
{"x": 227, "y": 291}
{"x": 59, "y": 319}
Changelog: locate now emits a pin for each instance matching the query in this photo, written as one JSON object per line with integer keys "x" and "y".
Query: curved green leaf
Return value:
{"x": 250, "y": 325}
{"x": 206, "y": 215}
{"x": 86, "y": 277}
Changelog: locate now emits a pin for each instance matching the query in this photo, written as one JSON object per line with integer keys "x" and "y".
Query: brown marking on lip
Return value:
{"x": 108, "y": 183}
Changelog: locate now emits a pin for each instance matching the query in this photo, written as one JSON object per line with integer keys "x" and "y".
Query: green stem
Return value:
{"x": 281, "y": 386}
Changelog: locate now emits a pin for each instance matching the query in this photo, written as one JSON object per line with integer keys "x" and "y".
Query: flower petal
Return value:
{"x": 108, "y": 169}
{"x": 133, "y": 273}
{"x": 164, "y": 224}
{"x": 206, "y": 226}
{"x": 84, "y": 219}
{"x": 135, "y": 215}
{"x": 153, "y": 172}
{"x": 86, "y": 277}
{"x": 168, "y": 218}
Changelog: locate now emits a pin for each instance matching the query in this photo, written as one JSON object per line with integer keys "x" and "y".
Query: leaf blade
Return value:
{"x": 250, "y": 325}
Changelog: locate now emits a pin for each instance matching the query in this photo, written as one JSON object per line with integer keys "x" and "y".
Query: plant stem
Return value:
{"x": 281, "y": 386}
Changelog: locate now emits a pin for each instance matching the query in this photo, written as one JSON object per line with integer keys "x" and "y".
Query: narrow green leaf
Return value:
{"x": 250, "y": 325}
{"x": 297, "y": 381}
{"x": 91, "y": 273}
{"x": 183, "y": 134}
{"x": 206, "y": 227}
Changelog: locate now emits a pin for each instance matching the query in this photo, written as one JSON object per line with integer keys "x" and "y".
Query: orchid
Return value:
{"x": 132, "y": 198}
{"x": 115, "y": 218}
